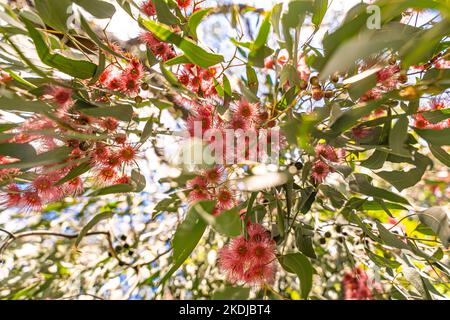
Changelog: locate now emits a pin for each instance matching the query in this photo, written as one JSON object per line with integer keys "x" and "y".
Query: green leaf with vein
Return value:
{"x": 192, "y": 51}
{"x": 94, "y": 221}
{"x": 53, "y": 156}
{"x": 362, "y": 185}
{"x": 195, "y": 19}
{"x": 80, "y": 69}
{"x": 187, "y": 235}
{"x": 299, "y": 264}
{"x": 440, "y": 154}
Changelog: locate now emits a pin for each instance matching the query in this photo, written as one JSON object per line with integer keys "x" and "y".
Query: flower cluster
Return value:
{"x": 198, "y": 80}
{"x": 356, "y": 285}
{"x": 108, "y": 158}
{"x": 388, "y": 79}
{"x": 421, "y": 122}
{"x": 208, "y": 186}
{"x": 321, "y": 169}
{"x": 251, "y": 260}
{"x": 126, "y": 80}
{"x": 159, "y": 49}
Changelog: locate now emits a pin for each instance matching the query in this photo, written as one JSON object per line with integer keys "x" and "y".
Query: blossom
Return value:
{"x": 320, "y": 171}
{"x": 327, "y": 152}
{"x": 214, "y": 175}
{"x": 107, "y": 174}
{"x": 12, "y": 197}
{"x": 246, "y": 110}
{"x": 127, "y": 153}
{"x": 198, "y": 187}
{"x": 225, "y": 198}
{"x": 31, "y": 201}
{"x": 60, "y": 96}
{"x": 110, "y": 123}
{"x": 355, "y": 285}
{"x": 184, "y": 3}
{"x": 249, "y": 260}
{"x": 148, "y": 7}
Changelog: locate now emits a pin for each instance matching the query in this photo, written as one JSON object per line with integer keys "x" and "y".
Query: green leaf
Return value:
{"x": 421, "y": 48}
{"x": 349, "y": 118}
{"x": 22, "y": 151}
{"x": 252, "y": 80}
{"x": 365, "y": 44}
{"x": 164, "y": 14}
{"x": 53, "y": 156}
{"x": 93, "y": 36}
{"x": 54, "y": 12}
{"x": 77, "y": 68}
{"x": 228, "y": 223}
{"x": 147, "y": 131}
{"x": 336, "y": 197}
{"x": 362, "y": 185}
{"x": 437, "y": 116}
{"x": 303, "y": 238}
{"x": 181, "y": 59}
{"x": 192, "y": 51}
{"x": 319, "y": 10}
{"x": 187, "y": 235}
{"x": 406, "y": 179}
{"x": 300, "y": 265}
{"x": 376, "y": 160}
{"x": 389, "y": 238}
{"x": 152, "y": 60}
{"x": 95, "y": 220}
{"x": 195, "y": 19}
{"x": 398, "y": 135}
{"x": 138, "y": 180}
{"x": 117, "y": 188}
{"x": 75, "y": 172}
{"x": 99, "y": 9}
{"x": 440, "y": 154}
{"x": 15, "y": 103}
{"x": 231, "y": 293}
{"x": 438, "y": 220}
{"x": 382, "y": 261}
{"x": 435, "y": 137}
{"x": 120, "y": 112}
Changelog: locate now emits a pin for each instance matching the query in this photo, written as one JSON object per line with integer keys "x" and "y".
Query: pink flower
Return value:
{"x": 361, "y": 132}
{"x": 199, "y": 189}
{"x": 327, "y": 152}
{"x": 115, "y": 84}
{"x": 262, "y": 252}
{"x": 246, "y": 110}
{"x": 123, "y": 180}
{"x": 225, "y": 199}
{"x": 73, "y": 187}
{"x": 148, "y": 8}
{"x": 355, "y": 285}
{"x": 320, "y": 171}
{"x": 45, "y": 188}
{"x": 135, "y": 69}
{"x": 12, "y": 197}
{"x": 106, "y": 174}
{"x": 31, "y": 201}
{"x": 127, "y": 153}
{"x": 61, "y": 96}
{"x": 237, "y": 122}
{"x": 250, "y": 261}
{"x": 184, "y": 3}
{"x": 129, "y": 85}
{"x": 214, "y": 175}
{"x": 110, "y": 123}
